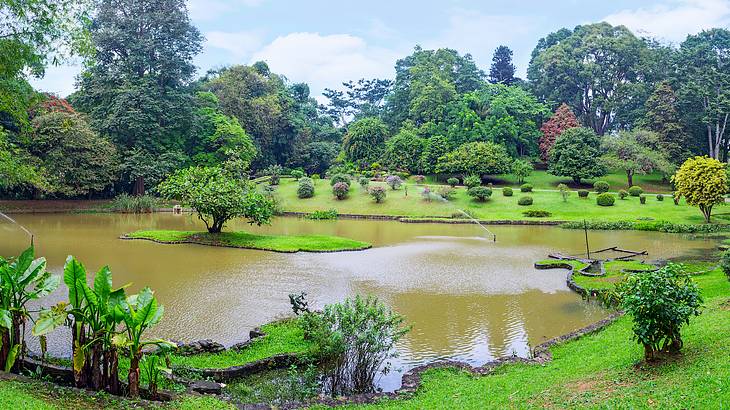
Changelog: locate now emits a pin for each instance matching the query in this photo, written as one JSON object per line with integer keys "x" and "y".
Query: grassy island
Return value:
{"x": 274, "y": 243}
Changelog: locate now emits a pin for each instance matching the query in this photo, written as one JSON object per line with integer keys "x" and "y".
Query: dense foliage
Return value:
{"x": 576, "y": 155}
{"x": 702, "y": 181}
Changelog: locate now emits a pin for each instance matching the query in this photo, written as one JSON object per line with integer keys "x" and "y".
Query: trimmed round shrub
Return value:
{"x": 622, "y": 194}
{"x": 601, "y": 186}
{"x": 583, "y": 193}
{"x": 537, "y": 213}
{"x": 472, "y": 180}
{"x": 635, "y": 191}
{"x": 297, "y": 174}
{"x": 305, "y": 188}
{"x": 605, "y": 199}
{"x": 526, "y": 188}
{"x": 453, "y": 181}
{"x": 446, "y": 192}
{"x": 337, "y": 178}
{"x": 394, "y": 181}
{"x": 378, "y": 193}
{"x": 642, "y": 199}
{"x": 341, "y": 190}
{"x": 507, "y": 191}
{"x": 315, "y": 177}
{"x": 659, "y": 197}
{"x": 480, "y": 193}
{"x": 725, "y": 263}
{"x": 525, "y": 201}
{"x": 364, "y": 182}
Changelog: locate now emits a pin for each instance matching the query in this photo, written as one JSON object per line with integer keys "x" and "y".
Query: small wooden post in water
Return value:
{"x": 585, "y": 230}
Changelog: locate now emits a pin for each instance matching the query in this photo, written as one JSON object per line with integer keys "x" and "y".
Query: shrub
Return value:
{"x": 660, "y": 303}
{"x": 323, "y": 215}
{"x": 583, "y": 193}
{"x": 453, "y": 181}
{"x": 378, "y": 193}
{"x": 296, "y": 174}
{"x": 337, "y": 178}
{"x": 507, "y": 191}
{"x": 536, "y": 213}
{"x": 525, "y": 201}
{"x": 472, "y": 180}
{"x": 605, "y": 199}
{"x": 315, "y": 178}
{"x": 446, "y": 192}
{"x": 659, "y": 197}
{"x": 419, "y": 179}
{"x": 134, "y": 204}
{"x": 394, "y": 181}
{"x": 601, "y": 186}
{"x": 341, "y": 190}
{"x": 352, "y": 341}
{"x": 564, "y": 192}
{"x": 725, "y": 263}
{"x": 642, "y": 199}
{"x": 426, "y": 194}
{"x": 305, "y": 188}
{"x": 479, "y": 193}
{"x": 274, "y": 173}
{"x": 364, "y": 182}
{"x": 675, "y": 198}
{"x": 526, "y": 188}
{"x": 635, "y": 190}
{"x": 622, "y": 194}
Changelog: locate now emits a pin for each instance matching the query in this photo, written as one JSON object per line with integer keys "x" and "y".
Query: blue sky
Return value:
{"x": 326, "y": 42}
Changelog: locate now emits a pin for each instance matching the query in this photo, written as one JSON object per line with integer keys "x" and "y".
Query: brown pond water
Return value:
{"x": 468, "y": 298}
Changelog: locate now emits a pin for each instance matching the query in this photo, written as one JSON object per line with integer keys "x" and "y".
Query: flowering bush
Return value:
{"x": 341, "y": 189}
{"x": 394, "y": 181}
{"x": 378, "y": 193}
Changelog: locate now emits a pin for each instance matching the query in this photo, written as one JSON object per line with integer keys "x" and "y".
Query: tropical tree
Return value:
{"x": 662, "y": 117}
{"x": 434, "y": 148}
{"x": 217, "y": 197}
{"x": 502, "y": 70}
{"x": 562, "y": 119}
{"x": 17, "y": 166}
{"x": 479, "y": 158}
{"x": 631, "y": 151}
{"x": 703, "y": 183}
{"x": 364, "y": 140}
{"x": 576, "y": 154}
{"x": 522, "y": 169}
{"x": 404, "y": 150}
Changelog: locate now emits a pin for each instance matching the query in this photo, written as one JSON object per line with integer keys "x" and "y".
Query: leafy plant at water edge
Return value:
{"x": 378, "y": 193}
{"x": 660, "y": 303}
{"x": 536, "y": 213}
{"x": 658, "y": 226}
{"x": 22, "y": 280}
{"x": 299, "y": 303}
{"x": 152, "y": 366}
{"x": 134, "y": 204}
{"x": 323, "y": 215}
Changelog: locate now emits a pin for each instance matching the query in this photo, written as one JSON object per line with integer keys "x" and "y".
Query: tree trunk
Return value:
{"x": 138, "y": 187}
{"x": 114, "y": 387}
{"x": 133, "y": 378}
{"x": 5, "y": 349}
{"x": 79, "y": 376}
{"x": 576, "y": 180}
{"x": 96, "y": 377}
{"x": 630, "y": 178}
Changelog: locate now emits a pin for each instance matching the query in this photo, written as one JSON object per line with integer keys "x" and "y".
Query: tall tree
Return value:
{"x": 629, "y": 151}
{"x": 576, "y": 154}
{"x": 592, "y": 68}
{"x": 363, "y": 143}
{"x": 562, "y": 119}
{"x": 502, "y": 70}
{"x": 704, "y": 85}
{"x": 364, "y": 98}
{"x": 663, "y": 119}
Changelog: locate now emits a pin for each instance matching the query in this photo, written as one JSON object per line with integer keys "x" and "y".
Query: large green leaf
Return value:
{"x": 79, "y": 359}
{"x": 6, "y": 319}
{"x": 46, "y": 286}
{"x": 74, "y": 275}
{"x": 36, "y": 269}
{"x": 50, "y": 319}
{"x": 23, "y": 262}
{"x": 103, "y": 284}
{"x": 12, "y": 356}
{"x": 116, "y": 305}
{"x": 89, "y": 295}
{"x": 146, "y": 307}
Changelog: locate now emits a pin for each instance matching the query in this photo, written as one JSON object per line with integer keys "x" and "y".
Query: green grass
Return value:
{"x": 614, "y": 272}
{"x": 281, "y": 337}
{"x": 277, "y": 243}
{"x": 556, "y": 263}
{"x": 498, "y": 207}
{"x": 602, "y": 370}
{"x": 617, "y": 179}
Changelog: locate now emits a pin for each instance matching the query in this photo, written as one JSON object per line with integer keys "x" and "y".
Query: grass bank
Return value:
{"x": 276, "y": 243}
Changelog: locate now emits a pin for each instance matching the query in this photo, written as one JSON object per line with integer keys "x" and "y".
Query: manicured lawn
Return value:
{"x": 617, "y": 179}
{"x": 281, "y": 337}
{"x": 277, "y": 243}
{"x": 498, "y": 207}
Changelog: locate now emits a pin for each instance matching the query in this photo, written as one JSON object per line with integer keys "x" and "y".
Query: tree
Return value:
{"x": 592, "y": 68}
{"x": 576, "y": 154}
{"x": 479, "y": 158}
{"x": 17, "y": 166}
{"x": 365, "y": 98}
{"x": 217, "y": 197}
{"x": 663, "y": 119}
{"x": 403, "y": 150}
{"x": 521, "y": 169}
{"x": 363, "y": 143}
{"x": 433, "y": 149}
{"x": 704, "y": 80}
{"x": 502, "y": 70}
{"x": 703, "y": 183}
{"x": 75, "y": 159}
{"x": 315, "y": 157}
{"x": 631, "y": 152}
{"x": 562, "y": 119}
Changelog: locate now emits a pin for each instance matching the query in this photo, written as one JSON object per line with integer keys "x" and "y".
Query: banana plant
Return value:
{"x": 21, "y": 280}
{"x": 140, "y": 312}
{"x": 152, "y": 366}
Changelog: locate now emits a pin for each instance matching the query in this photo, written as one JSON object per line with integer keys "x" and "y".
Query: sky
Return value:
{"x": 324, "y": 43}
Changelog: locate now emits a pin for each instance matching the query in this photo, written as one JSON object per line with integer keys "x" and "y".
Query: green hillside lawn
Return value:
{"x": 498, "y": 207}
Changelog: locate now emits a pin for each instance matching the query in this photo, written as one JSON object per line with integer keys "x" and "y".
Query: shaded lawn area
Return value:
{"x": 277, "y": 243}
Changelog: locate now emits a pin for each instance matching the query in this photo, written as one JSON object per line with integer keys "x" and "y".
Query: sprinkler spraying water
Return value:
{"x": 13, "y": 221}
{"x": 431, "y": 195}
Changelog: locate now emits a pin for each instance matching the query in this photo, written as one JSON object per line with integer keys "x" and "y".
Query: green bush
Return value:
{"x": 605, "y": 199}
{"x": 660, "y": 303}
{"x": 296, "y": 174}
{"x": 378, "y": 193}
{"x": 134, "y": 204}
{"x": 536, "y": 213}
{"x": 525, "y": 201}
{"x": 526, "y": 188}
{"x": 446, "y": 192}
{"x": 480, "y": 193}
{"x": 659, "y": 197}
{"x": 642, "y": 199}
{"x": 564, "y": 192}
{"x": 635, "y": 191}
{"x": 601, "y": 186}
{"x": 453, "y": 181}
{"x": 323, "y": 215}
{"x": 583, "y": 193}
{"x": 657, "y": 226}
{"x": 305, "y": 188}
{"x": 274, "y": 172}
{"x": 364, "y": 182}
{"x": 622, "y": 194}
{"x": 340, "y": 178}
{"x": 472, "y": 180}
{"x": 315, "y": 178}
{"x": 341, "y": 190}
{"x": 507, "y": 191}
{"x": 725, "y": 263}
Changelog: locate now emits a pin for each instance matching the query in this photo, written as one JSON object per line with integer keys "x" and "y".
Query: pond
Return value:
{"x": 467, "y": 297}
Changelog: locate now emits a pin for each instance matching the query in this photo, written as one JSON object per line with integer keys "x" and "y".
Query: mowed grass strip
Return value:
{"x": 276, "y": 243}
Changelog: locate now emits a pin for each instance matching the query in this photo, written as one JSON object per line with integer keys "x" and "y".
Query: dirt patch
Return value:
{"x": 725, "y": 305}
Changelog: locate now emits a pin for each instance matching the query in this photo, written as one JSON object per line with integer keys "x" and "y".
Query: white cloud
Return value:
{"x": 325, "y": 61}
{"x": 210, "y": 9}
{"x": 58, "y": 80}
{"x": 239, "y": 44}
{"x": 675, "y": 19}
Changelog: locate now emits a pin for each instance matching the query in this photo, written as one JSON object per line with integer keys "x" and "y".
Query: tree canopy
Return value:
{"x": 481, "y": 158}
{"x": 576, "y": 154}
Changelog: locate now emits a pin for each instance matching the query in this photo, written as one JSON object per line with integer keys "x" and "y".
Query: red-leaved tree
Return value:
{"x": 559, "y": 122}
